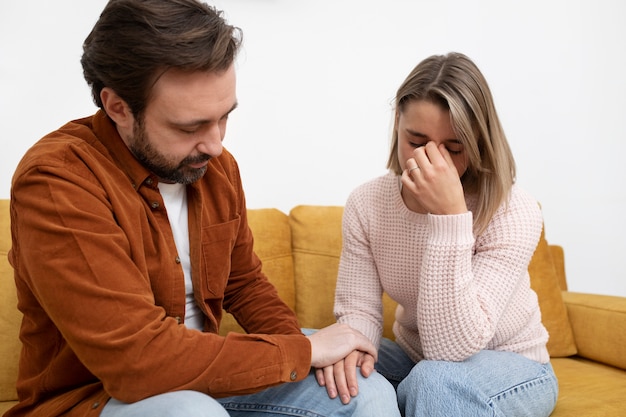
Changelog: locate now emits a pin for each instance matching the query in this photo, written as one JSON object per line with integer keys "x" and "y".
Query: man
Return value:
{"x": 130, "y": 235}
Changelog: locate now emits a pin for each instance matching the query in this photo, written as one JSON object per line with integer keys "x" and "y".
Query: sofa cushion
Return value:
{"x": 316, "y": 236}
{"x": 545, "y": 281}
{"x": 595, "y": 317}
{"x": 10, "y": 317}
{"x": 316, "y": 241}
{"x": 558, "y": 257}
{"x": 272, "y": 243}
{"x": 588, "y": 388}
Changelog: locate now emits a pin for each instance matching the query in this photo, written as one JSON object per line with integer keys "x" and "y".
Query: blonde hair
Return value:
{"x": 454, "y": 82}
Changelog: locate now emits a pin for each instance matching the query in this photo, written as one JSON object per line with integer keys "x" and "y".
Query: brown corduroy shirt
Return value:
{"x": 102, "y": 290}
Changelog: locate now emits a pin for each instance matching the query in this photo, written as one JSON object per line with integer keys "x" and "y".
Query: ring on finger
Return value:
{"x": 414, "y": 168}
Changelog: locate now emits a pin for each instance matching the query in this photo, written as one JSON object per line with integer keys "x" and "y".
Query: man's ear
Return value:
{"x": 117, "y": 109}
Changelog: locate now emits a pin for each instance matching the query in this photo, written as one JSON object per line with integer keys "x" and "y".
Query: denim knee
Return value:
{"x": 432, "y": 389}
{"x": 488, "y": 384}
{"x": 430, "y": 379}
{"x": 171, "y": 404}
{"x": 197, "y": 404}
{"x": 377, "y": 396}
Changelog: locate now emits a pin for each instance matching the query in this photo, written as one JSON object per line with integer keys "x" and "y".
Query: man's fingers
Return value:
{"x": 319, "y": 376}
{"x": 329, "y": 378}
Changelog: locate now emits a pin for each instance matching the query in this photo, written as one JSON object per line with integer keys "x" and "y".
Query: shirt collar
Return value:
{"x": 107, "y": 133}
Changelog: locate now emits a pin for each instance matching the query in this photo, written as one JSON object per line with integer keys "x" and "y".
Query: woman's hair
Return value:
{"x": 135, "y": 41}
{"x": 454, "y": 82}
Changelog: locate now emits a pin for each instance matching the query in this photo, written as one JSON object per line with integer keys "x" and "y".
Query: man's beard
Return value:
{"x": 158, "y": 163}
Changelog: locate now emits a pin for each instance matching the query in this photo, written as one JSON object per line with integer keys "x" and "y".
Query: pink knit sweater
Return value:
{"x": 457, "y": 294}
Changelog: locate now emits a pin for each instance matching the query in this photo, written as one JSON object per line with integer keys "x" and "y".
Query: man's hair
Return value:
{"x": 135, "y": 41}
{"x": 455, "y": 83}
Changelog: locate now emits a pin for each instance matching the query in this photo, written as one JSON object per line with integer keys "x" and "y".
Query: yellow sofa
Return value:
{"x": 300, "y": 254}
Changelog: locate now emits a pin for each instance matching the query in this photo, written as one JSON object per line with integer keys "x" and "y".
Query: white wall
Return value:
{"x": 316, "y": 79}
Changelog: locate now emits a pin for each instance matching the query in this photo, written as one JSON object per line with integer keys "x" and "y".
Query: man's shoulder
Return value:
{"x": 53, "y": 146}
{"x": 72, "y": 148}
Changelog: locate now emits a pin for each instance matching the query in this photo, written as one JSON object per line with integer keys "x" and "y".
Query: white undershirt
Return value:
{"x": 175, "y": 199}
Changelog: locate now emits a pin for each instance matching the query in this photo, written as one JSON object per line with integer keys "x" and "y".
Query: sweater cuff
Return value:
{"x": 370, "y": 330}
{"x": 457, "y": 228}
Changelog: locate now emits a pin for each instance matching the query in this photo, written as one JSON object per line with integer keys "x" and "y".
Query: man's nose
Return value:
{"x": 211, "y": 141}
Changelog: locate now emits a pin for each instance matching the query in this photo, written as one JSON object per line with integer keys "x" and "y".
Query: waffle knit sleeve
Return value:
{"x": 358, "y": 296}
{"x": 466, "y": 287}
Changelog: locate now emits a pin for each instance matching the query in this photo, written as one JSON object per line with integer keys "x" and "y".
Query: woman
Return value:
{"x": 449, "y": 236}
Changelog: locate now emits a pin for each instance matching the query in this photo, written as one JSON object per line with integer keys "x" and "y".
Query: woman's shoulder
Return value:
{"x": 380, "y": 186}
{"x": 521, "y": 208}
{"x": 374, "y": 196}
{"x": 521, "y": 198}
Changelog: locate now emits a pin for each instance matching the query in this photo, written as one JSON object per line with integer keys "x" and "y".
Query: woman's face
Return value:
{"x": 422, "y": 121}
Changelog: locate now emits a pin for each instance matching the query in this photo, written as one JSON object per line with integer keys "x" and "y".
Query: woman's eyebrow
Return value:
{"x": 416, "y": 134}
{"x": 425, "y": 136}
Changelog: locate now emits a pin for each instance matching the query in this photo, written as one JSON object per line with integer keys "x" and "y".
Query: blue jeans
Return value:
{"x": 376, "y": 398}
{"x": 490, "y": 383}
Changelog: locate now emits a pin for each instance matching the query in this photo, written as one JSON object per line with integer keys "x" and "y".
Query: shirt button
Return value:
{"x": 177, "y": 260}
{"x": 154, "y": 205}
{"x": 293, "y": 375}
{"x": 95, "y": 405}
{"x": 149, "y": 181}
{"x": 177, "y": 319}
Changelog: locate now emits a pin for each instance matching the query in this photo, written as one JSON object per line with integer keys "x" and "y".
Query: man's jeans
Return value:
{"x": 376, "y": 398}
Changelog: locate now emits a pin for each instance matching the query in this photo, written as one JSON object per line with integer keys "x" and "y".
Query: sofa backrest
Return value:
{"x": 316, "y": 242}
{"x": 316, "y": 247}
{"x": 10, "y": 317}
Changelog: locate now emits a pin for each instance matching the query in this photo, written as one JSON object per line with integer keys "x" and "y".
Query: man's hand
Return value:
{"x": 333, "y": 343}
{"x": 340, "y": 378}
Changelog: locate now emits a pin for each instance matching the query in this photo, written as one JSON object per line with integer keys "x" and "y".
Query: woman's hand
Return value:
{"x": 340, "y": 379}
{"x": 433, "y": 181}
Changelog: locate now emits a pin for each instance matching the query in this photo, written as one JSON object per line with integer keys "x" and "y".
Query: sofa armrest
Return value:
{"x": 599, "y": 326}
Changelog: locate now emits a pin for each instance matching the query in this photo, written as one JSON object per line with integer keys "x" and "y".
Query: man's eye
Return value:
{"x": 189, "y": 131}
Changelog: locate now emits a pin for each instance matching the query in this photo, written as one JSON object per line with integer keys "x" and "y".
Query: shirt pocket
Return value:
{"x": 218, "y": 242}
